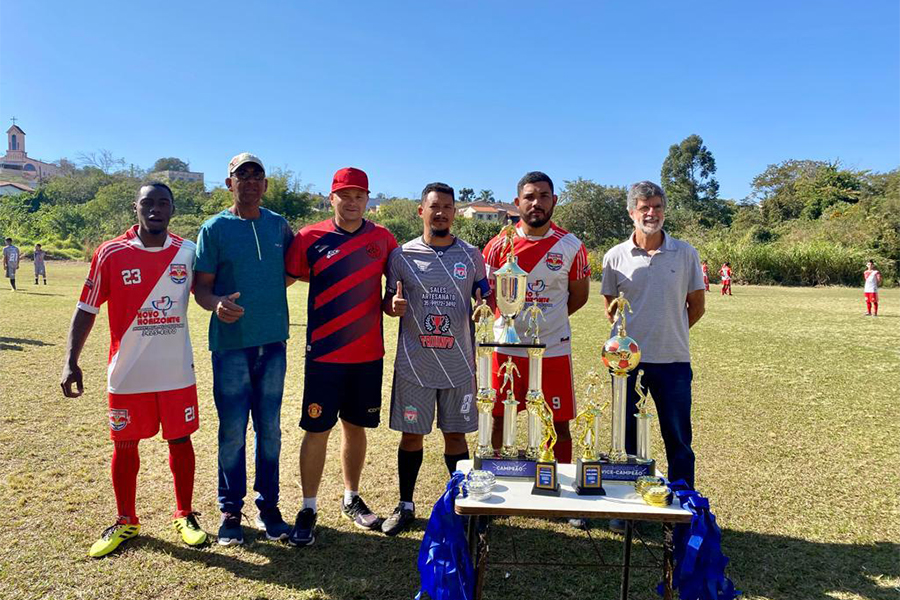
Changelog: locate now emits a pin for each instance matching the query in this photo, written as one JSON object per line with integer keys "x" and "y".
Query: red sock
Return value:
{"x": 126, "y": 462}
{"x": 563, "y": 451}
{"x": 181, "y": 461}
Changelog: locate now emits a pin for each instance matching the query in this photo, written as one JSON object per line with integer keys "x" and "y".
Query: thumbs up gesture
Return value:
{"x": 228, "y": 310}
{"x": 398, "y": 303}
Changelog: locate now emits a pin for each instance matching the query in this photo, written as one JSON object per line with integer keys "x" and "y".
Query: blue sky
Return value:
{"x": 471, "y": 93}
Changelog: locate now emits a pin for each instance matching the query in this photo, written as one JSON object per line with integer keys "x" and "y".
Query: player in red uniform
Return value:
{"x": 705, "y": 268}
{"x": 872, "y": 279}
{"x": 145, "y": 276}
{"x": 559, "y": 283}
{"x": 343, "y": 259}
{"x": 725, "y": 273}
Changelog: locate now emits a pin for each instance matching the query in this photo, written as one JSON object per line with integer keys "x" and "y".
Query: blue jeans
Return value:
{"x": 670, "y": 384}
{"x": 249, "y": 382}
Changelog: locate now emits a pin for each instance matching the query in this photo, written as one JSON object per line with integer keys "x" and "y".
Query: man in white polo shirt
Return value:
{"x": 661, "y": 278}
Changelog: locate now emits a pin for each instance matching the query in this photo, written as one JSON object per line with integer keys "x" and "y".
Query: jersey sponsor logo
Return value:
{"x": 459, "y": 270}
{"x": 332, "y": 253}
{"x": 373, "y": 250}
{"x": 314, "y": 411}
{"x": 537, "y": 287}
{"x": 155, "y": 319}
{"x": 118, "y": 419}
{"x": 178, "y": 272}
{"x": 163, "y": 305}
{"x": 438, "y": 295}
{"x": 554, "y": 261}
{"x": 438, "y": 326}
{"x": 410, "y": 414}
{"x": 422, "y": 265}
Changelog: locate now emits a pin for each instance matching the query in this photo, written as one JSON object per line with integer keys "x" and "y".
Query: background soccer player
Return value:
{"x": 39, "y": 267}
{"x": 240, "y": 277}
{"x": 145, "y": 277}
{"x": 705, "y": 268}
{"x": 725, "y": 273}
{"x": 10, "y": 261}
{"x": 559, "y": 283}
{"x": 431, "y": 281}
{"x": 343, "y": 259}
{"x": 872, "y": 279}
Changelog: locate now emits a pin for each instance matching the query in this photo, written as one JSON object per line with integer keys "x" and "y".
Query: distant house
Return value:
{"x": 16, "y": 163}
{"x": 11, "y": 188}
{"x": 489, "y": 211}
{"x": 177, "y": 176}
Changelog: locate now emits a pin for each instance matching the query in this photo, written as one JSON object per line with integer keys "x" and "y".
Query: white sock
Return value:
{"x": 309, "y": 503}
{"x": 349, "y": 496}
{"x": 408, "y": 505}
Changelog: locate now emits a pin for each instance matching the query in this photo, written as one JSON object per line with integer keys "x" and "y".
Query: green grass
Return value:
{"x": 795, "y": 433}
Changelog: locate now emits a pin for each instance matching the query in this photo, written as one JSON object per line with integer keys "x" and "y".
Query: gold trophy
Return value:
{"x": 534, "y": 399}
{"x": 546, "y": 479}
{"x": 643, "y": 416}
{"x": 510, "y": 293}
{"x": 484, "y": 318}
{"x": 508, "y": 371}
{"x": 589, "y": 468}
{"x": 621, "y": 354}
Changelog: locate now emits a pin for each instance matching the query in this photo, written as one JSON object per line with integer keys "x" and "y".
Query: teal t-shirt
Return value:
{"x": 247, "y": 256}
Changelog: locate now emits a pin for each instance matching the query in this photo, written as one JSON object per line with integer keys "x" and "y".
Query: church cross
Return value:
{"x": 14, "y": 120}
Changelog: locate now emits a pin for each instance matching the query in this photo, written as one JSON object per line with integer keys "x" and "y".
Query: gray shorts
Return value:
{"x": 40, "y": 270}
{"x": 412, "y": 408}
{"x": 10, "y": 272}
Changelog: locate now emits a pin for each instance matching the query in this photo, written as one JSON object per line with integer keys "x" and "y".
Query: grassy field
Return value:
{"x": 796, "y": 420}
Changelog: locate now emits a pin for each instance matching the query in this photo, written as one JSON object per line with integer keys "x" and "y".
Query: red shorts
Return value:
{"x": 871, "y": 296}
{"x": 558, "y": 387}
{"x": 138, "y": 416}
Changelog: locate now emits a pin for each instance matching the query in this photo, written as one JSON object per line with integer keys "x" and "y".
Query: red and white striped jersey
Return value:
{"x": 552, "y": 261}
{"x": 147, "y": 291}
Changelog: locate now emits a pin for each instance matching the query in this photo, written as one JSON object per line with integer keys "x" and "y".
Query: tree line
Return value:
{"x": 806, "y": 222}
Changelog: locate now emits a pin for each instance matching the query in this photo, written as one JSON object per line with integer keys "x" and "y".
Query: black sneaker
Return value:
{"x": 270, "y": 521}
{"x": 399, "y": 520}
{"x": 230, "y": 531}
{"x": 304, "y": 531}
{"x": 359, "y": 513}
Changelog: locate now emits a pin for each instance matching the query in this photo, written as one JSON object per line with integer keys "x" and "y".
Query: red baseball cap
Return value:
{"x": 350, "y": 178}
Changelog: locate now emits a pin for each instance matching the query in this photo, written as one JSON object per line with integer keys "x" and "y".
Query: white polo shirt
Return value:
{"x": 657, "y": 287}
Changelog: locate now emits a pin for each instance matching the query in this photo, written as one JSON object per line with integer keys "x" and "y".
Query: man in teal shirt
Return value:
{"x": 239, "y": 275}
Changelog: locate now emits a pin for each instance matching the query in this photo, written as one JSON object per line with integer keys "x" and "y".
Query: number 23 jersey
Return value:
{"x": 147, "y": 291}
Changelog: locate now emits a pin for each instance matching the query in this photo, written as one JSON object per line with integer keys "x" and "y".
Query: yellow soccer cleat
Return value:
{"x": 190, "y": 530}
{"x": 113, "y": 537}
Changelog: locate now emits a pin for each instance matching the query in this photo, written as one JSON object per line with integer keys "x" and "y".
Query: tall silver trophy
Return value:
{"x": 621, "y": 354}
{"x": 511, "y": 461}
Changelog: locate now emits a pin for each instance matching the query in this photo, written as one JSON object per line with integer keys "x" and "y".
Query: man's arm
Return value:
{"x": 579, "y": 290}
{"x": 607, "y": 300}
{"x": 224, "y": 306}
{"x": 82, "y": 323}
{"x": 696, "y": 306}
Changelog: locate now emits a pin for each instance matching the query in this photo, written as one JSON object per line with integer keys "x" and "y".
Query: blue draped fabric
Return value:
{"x": 445, "y": 567}
{"x": 699, "y": 562}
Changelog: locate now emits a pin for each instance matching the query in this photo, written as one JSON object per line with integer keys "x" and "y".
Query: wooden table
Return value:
{"x": 513, "y": 497}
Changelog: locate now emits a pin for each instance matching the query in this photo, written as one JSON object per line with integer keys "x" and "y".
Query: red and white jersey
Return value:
{"x": 725, "y": 272}
{"x": 148, "y": 290}
{"x": 871, "y": 278}
{"x": 552, "y": 261}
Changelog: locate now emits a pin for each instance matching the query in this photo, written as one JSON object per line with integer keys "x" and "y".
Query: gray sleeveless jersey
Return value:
{"x": 434, "y": 348}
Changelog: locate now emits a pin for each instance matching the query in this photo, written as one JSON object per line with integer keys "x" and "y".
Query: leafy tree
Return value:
{"x": 687, "y": 174}
{"x": 399, "y": 208}
{"x": 286, "y": 195}
{"x": 111, "y": 211}
{"x": 465, "y": 195}
{"x": 486, "y": 196}
{"x": 170, "y": 163}
{"x": 828, "y": 186}
{"x": 478, "y": 233}
{"x": 596, "y": 213}
{"x": 776, "y": 189}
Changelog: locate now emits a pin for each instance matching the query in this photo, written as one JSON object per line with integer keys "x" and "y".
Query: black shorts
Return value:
{"x": 351, "y": 391}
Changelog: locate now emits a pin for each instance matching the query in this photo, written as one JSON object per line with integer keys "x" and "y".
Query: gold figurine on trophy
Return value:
{"x": 643, "y": 416}
{"x": 588, "y": 468}
{"x": 508, "y": 371}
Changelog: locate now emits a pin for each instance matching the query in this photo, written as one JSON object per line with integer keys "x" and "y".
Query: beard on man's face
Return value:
{"x": 538, "y": 219}
{"x": 440, "y": 232}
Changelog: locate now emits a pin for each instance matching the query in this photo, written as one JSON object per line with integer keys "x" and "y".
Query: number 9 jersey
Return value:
{"x": 147, "y": 291}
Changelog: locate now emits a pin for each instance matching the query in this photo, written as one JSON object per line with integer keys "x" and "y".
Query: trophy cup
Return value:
{"x": 621, "y": 354}
{"x": 589, "y": 467}
{"x": 546, "y": 480}
{"x": 643, "y": 416}
{"x": 510, "y": 297}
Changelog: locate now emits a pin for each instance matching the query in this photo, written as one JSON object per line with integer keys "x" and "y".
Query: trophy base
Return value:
{"x": 546, "y": 479}
{"x": 589, "y": 478}
{"x": 629, "y": 470}
{"x": 508, "y": 345}
{"x": 519, "y": 467}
